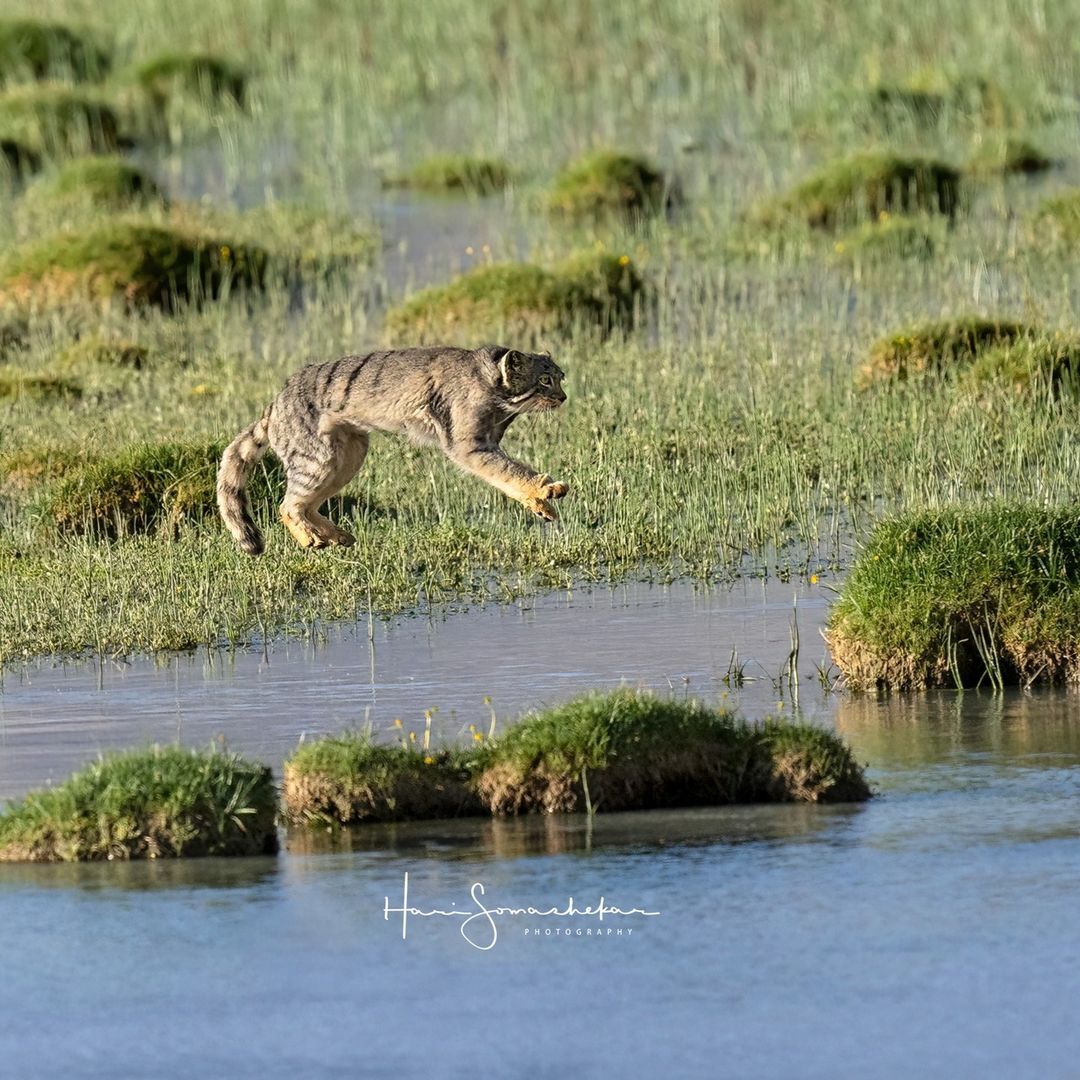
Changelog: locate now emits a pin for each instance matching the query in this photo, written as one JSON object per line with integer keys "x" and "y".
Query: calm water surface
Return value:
{"x": 932, "y": 932}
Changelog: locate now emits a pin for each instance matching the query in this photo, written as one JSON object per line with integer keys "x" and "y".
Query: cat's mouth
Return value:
{"x": 549, "y": 402}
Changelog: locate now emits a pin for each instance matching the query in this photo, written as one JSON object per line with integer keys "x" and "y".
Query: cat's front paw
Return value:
{"x": 546, "y": 488}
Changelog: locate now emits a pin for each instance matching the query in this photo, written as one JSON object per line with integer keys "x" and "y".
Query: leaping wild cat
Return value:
{"x": 462, "y": 400}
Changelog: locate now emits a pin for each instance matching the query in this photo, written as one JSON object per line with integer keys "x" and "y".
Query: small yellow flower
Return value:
{"x": 477, "y": 737}
{"x": 813, "y": 579}
{"x": 624, "y": 260}
{"x": 883, "y": 216}
{"x": 429, "y": 760}
{"x": 397, "y": 723}
{"x": 486, "y": 249}
{"x": 202, "y": 389}
{"x": 472, "y": 728}
{"x": 225, "y": 252}
{"x": 412, "y": 736}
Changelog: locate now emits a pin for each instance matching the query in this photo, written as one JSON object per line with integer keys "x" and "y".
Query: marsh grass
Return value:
{"x": 454, "y": 173}
{"x": 54, "y": 119}
{"x": 102, "y": 181}
{"x": 587, "y": 291}
{"x": 604, "y": 751}
{"x": 163, "y": 802}
{"x": 30, "y": 48}
{"x": 865, "y": 186}
{"x": 963, "y": 596}
{"x": 208, "y": 77}
{"x": 350, "y": 778}
{"x": 605, "y": 184}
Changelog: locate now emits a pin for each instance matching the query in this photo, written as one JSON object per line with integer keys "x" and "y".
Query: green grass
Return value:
{"x": 349, "y": 778}
{"x": 98, "y": 349}
{"x": 455, "y": 173}
{"x": 604, "y": 184}
{"x": 101, "y": 181}
{"x": 1009, "y": 156}
{"x": 163, "y": 802}
{"x": 36, "y": 49}
{"x": 15, "y": 384}
{"x": 134, "y": 260}
{"x": 604, "y": 751}
{"x": 54, "y": 119}
{"x": 208, "y": 77}
{"x": 964, "y": 597}
{"x": 1060, "y": 216}
{"x": 720, "y": 434}
{"x": 587, "y": 292}
{"x": 865, "y": 186}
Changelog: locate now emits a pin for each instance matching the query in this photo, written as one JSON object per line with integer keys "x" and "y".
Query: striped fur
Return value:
{"x": 461, "y": 400}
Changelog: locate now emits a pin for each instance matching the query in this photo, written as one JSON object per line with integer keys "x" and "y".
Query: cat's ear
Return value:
{"x": 513, "y": 366}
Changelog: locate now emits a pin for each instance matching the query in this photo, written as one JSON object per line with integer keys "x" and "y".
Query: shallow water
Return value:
{"x": 54, "y": 718}
{"x": 931, "y": 932}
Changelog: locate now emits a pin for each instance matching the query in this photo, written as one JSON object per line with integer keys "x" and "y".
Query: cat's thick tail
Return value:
{"x": 240, "y": 458}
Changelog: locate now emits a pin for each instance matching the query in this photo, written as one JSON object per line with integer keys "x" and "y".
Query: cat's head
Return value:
{"x": 529, "y": 381}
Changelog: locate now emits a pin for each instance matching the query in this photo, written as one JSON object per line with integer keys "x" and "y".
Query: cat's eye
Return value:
{"x": 545, "y": 380}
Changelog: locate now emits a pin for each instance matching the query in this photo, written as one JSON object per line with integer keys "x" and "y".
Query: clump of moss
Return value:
{"x": 100, "y": 181}
{"x": 147, "y": 487}
{"x": 163, "y": 802}
{"x": 41, "y": 49}
{"x": 629, "y": 751}
{"x": 1060, "y": 215}
{"x": 17, "y": 384}
{"x": 1042, "y": 361}
{"x": 597, "y": 291}
{"x": 938, "y": 348}
{"x": 928, "y": 98}
{"x": 455, "y": 173}
{"x": 963, "y": 596}
{"x": 1010, "y": 156}
{"x": 349, "y": 778}
{"x": 54, "y": 119}
{"x": 862, "y": 187}
{"x": 888, "y": 237}
{"x": 100, "y": 351}
{"x": 138, "y": 261}
{"x": 212, "y": 78}
{"x": 604, "y": 184}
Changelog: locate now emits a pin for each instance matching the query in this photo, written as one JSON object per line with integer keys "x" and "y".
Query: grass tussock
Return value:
{"x": 888, "y": 237}
{"x": 18, "y": 159}
{"x": 607, "y": 184}
{"x": 631, "y": 751}
{"x": 963, "y": 596}
{"x": 205, "y": 76}
{"x": 861, "y": 188}
{"x": 57, "y": 120}
{"x": 130, "y": 259}
{"x": 163, "y": 802}
{"x": 938, "y": 348}
{"x": 146, "y": 488}
{"x": 593, "y": 292}
{"x": 455, "y": 173}
{"x": 31, "y": 48}
{"x": 98, "y": 350}
{"x": 1009, "y": 157}
{"x": 349, "y": 778}
{"x": 101, "y": 181}
{"x": 16, "y": 384}
{"x": 615, "y": 751}
{"x": 929, "y": 98}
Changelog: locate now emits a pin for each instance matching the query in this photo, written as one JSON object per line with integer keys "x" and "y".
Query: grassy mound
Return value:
{"x": 138, "y": 261}
{"x": 18, "y": 158}
{"x": 861, "y": 187}
{"x": 53, "y": 119}
{"x": 29, "y": 47}
{"x": 603, "y": 184}
{"x": 1043, "y": 360}
{"x": 632, "y": 751}
{"x": 211, "y": 78}
{"x": 149, "y": 487}
{"x": 16, "y": 384}
{"x": 349, "y": 778}
{"x": 163, "y": 802}
{"x": 888, "y": 237}
{"x": 1060, "y": 215}
{"x": 961, "y": 597}
{"x": 597, "y": 291}
{"x": 928, "y": 98}
{"x": 618, "y": 751}
{"x": 455, "y": 172}
{"x": 937, "y": 348}
{"x": 1010, "y": 156}
{"x": 101, "y": 181}
{"x": 97, "y": 350}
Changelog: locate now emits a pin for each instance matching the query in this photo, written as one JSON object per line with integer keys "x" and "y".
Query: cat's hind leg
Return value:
{"x": 316, "y": 470}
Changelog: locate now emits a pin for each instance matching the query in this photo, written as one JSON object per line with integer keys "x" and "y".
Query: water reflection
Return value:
{"x": 141, "y": 876}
